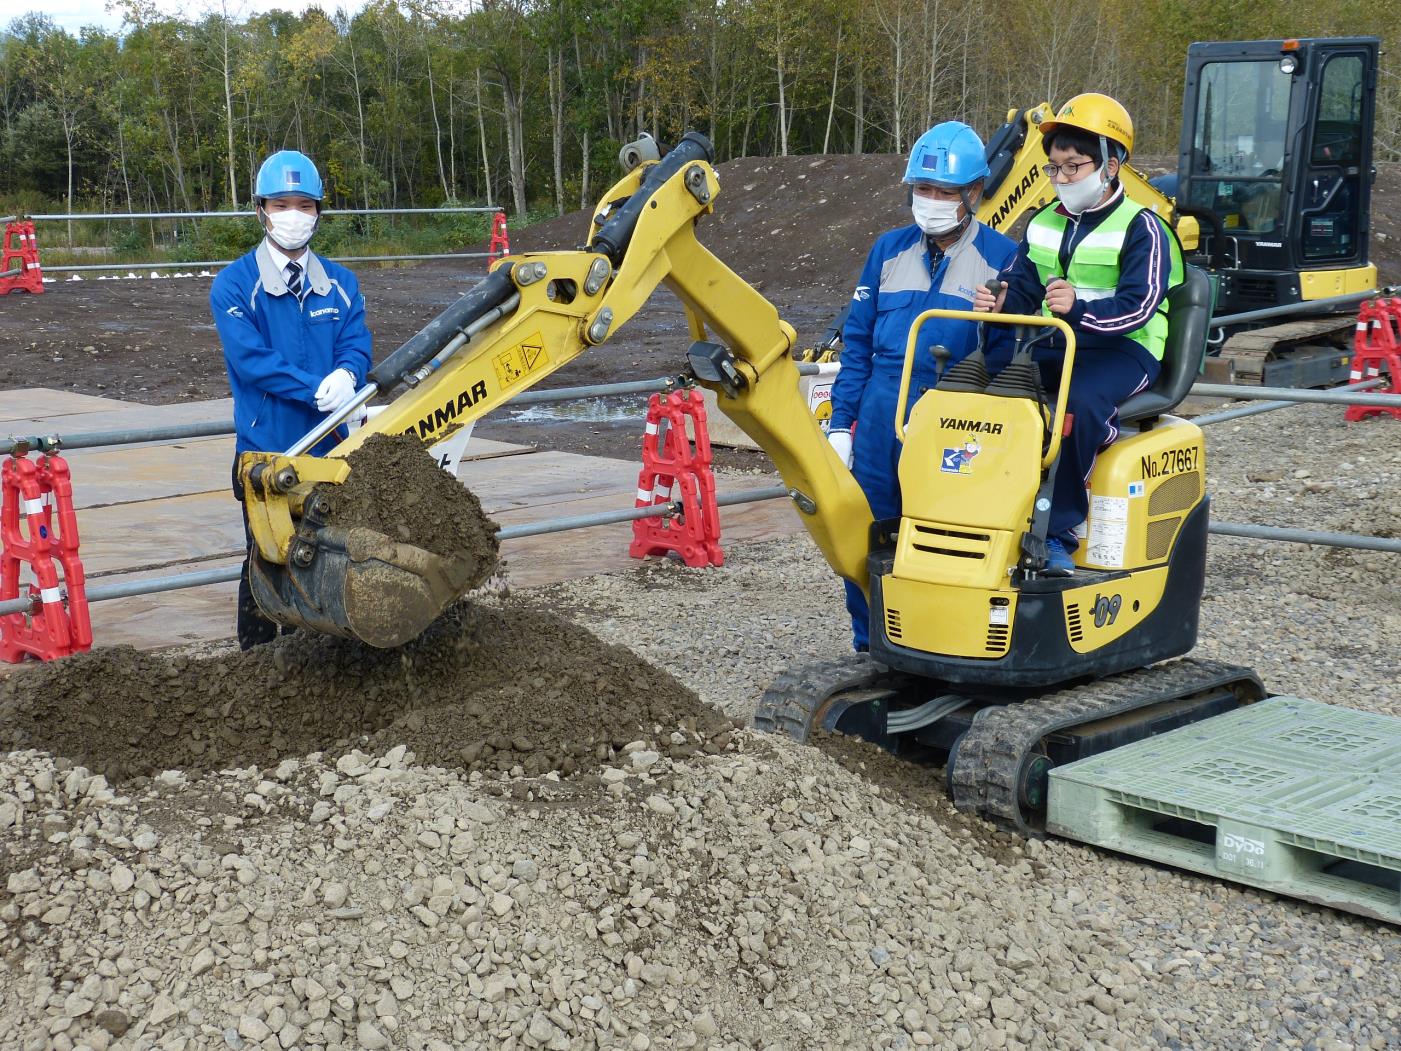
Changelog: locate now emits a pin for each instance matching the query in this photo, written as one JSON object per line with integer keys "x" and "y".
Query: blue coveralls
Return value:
{"x": 277, "y": 351}
{"x": 1109, "y": 367}
{"x": 901, "y": 279}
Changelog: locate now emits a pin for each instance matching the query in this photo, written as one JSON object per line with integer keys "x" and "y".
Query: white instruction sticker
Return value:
{"x": 1109, "y": 527}
{"x": 997, "y": 615}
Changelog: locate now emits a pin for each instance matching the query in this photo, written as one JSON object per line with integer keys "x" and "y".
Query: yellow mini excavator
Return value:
{"x": 977, "y": 654}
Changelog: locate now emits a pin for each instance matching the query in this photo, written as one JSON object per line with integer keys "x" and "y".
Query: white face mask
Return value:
{"x": 291, "y": 230}
{"x": 935, "y": 217}
{"x": 1077, "y": 196}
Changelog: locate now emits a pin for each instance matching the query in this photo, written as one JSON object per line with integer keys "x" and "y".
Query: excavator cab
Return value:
{"x": 1275, "y": 162}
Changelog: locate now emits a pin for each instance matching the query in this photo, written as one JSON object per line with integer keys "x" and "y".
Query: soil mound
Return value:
{"x": 396, "y": 488}
{"x": 485, "y": 688}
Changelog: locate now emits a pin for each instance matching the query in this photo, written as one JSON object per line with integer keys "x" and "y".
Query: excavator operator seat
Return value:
{"x": 1189, "y": 316}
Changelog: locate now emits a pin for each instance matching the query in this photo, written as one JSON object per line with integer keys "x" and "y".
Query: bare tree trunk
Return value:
{"x": 360, "y": 126}
{"x": 748, "y": 120}
{"x": 782, "y": 104}
{"x": 832, "y": 98}
{"x": 437, "y": 127}
{"x": 859, "y": 132}
{"x": 481, "y": 134}
{"x": 639, "y": 105}
{"x": 121, "y": 152}
{"x": 68, "y": 136}
{"x": 452, "y": 142}
{"x": 555, "y": 57}
{"x": 228, "y": 110}
{"x": 584, "y": 200}
{"x": 515, "y": 142}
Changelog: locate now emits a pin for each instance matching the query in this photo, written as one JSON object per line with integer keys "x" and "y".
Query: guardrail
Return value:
{"x": 1273, "y": 398}
{"x": 73, "y": 217}
{"x": 71, "y": 268}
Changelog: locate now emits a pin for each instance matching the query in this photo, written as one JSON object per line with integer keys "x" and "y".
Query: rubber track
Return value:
{"x": 990, "y": 755}
{"x": 791, "y": 703}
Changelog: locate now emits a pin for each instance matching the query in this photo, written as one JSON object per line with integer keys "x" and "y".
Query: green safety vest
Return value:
{"x": 1094, "y": 267}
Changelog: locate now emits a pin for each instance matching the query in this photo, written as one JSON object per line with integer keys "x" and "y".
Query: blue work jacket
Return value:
{"x": 898, "y": 283}
{"x": 278, "y": 350}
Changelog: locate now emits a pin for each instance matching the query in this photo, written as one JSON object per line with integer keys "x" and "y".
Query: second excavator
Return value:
{"x": 977, "y": 655}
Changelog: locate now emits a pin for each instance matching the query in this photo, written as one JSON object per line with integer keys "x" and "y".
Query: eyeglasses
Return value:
{"x": 1068, "y": 169}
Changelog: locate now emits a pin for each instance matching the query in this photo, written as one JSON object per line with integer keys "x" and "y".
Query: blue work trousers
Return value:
{"x": 875, "y": 464}
{"x": 1104, "y": 380}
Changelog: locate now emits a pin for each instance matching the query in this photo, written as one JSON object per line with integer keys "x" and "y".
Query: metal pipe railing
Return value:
{"x": 129, "y": 436}
{"x": 218, "y": 428}
{"x": 1282, "y": 397}
{"x": 1307, "y": 536}
{"x": 180, "y": 581}
{"x": 73, "y": 268}
{"x": 1307, "y": 306}
{"x": 75, "y": 217}
{"x": 1296, "y": 394}
{"x": 1241, "y": 411}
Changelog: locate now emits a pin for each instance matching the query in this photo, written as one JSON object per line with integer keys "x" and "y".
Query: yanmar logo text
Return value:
{"x": 1014, "y": 196}
{"x": 953, "y": 423}
{"x": 442, "y": 422}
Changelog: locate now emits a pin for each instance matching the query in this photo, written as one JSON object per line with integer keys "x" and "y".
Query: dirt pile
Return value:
{"x": 802, "y": 224}
{"x": 485, "y": 688}
{"x": 397, "y": 489}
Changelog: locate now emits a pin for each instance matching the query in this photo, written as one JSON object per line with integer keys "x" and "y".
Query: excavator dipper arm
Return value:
{"x": 532, "y": 315}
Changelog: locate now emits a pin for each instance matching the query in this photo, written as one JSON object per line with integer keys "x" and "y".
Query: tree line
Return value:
{"x": 526, "y": 102}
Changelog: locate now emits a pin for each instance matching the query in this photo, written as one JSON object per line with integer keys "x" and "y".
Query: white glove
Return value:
{"x": 841, "y": 445}
{"x": 335, "y": 390}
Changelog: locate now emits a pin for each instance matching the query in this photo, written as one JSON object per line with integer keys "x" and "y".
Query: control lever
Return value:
{"x": 941, "y": 359}
{"x": 995, "y": 287}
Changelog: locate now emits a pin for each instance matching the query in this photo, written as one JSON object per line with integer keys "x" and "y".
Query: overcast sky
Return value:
{"x": 74, "y": 14}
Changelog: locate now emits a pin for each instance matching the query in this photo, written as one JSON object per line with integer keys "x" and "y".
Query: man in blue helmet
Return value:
{"x": 937, "y": 261}
{"x": 294, "y": 335}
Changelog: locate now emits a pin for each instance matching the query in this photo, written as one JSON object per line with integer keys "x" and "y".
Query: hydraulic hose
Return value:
{"x": 421, "y": 347}
{"x": 613, "y": 239}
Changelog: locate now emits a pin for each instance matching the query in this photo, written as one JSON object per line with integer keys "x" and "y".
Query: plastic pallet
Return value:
{"x": 1289, "y": 795}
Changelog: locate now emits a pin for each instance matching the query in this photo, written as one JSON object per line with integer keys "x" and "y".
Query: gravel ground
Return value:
{"x": 760, "y": 895}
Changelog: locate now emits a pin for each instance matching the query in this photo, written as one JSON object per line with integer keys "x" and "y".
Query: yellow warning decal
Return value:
{"x": 520, "y": 361}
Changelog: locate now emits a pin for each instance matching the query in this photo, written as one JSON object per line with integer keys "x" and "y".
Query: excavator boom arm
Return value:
{"x": 545, "y": 309}
{"x": 1016, "y": 186}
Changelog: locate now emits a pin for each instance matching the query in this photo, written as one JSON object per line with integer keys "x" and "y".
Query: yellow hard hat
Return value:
{"x": 1097, "y": 114}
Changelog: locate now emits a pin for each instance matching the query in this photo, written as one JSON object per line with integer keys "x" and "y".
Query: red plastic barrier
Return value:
{"x": 20, "y": 251}
{"x": 32, "y": 495}
{"x": 1376, "y": 346}
{"x": 670, "y": 463}
{"x": 500, "y": 239}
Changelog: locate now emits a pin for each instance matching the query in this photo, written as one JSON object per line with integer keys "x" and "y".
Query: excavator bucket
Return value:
{"x": 358, "y": 584}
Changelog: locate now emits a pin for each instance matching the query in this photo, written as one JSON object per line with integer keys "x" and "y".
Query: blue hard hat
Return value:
{"x": 950, "y": 154}
{"x": 288, "y": 173}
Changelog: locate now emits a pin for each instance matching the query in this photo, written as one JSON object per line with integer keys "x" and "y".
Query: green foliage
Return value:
{"x": 408, "y": 105}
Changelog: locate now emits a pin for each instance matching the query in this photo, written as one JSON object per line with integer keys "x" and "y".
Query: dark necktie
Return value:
{"x": 294, "y": 279}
